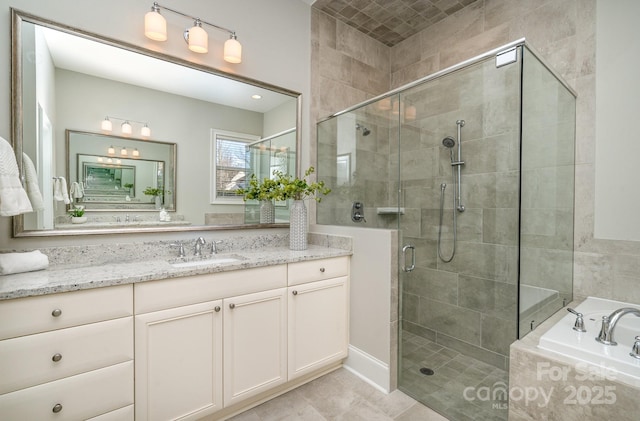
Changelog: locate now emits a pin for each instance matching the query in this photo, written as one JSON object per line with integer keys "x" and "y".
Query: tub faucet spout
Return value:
{"x": 609, "y": 324}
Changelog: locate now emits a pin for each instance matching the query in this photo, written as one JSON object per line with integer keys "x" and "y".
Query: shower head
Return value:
{"x": 365, "y": 131}
{"x": 449, "y": 142}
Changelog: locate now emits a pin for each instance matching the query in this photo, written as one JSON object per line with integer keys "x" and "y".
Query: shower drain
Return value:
{"x": 427, "y": 371}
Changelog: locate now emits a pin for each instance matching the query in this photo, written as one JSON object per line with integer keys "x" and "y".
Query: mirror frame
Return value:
{"x": 17, "y": 120}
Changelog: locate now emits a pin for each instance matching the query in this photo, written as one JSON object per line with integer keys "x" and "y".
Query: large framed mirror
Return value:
{"x": 66, "y": 83}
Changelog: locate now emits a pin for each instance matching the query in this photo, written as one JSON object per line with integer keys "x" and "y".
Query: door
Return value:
{"x": 255, "y": 344}
{"x": 318, "y": 325}
{"x": 179, "y": 362}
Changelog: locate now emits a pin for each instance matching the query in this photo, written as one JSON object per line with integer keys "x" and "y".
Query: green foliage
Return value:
{"x": 128, "y": 185}
{"x": 76, "y": 212}
{"x": 151, "y": 191}
{"x": 284, "y": 187}
{"x": 256, "y": 190}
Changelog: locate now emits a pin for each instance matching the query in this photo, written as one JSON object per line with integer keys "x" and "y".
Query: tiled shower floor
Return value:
{"x": 461, "y": 387}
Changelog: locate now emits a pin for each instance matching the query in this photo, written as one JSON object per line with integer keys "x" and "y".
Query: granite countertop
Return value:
{"x": 79, "y": 276}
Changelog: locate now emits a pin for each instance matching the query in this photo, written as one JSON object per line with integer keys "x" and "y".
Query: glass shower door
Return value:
{"x": 459, "y": 238}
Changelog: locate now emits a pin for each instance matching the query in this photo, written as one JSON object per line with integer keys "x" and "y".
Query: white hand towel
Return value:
{"x": 22, "y": 262}
{"x": 13, "y": 198}
{"x": 76, "y": 191}
{"x": 31, "y": 183}
{"x": 65, "y": 190}
{"x": 57, "y": 191}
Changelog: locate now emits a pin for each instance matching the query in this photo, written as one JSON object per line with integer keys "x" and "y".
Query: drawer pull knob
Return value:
{"x": 322, "y": 270}
{"x": 294, "y": 292}
{"x": 216, "y": 309}
{"x": 56, "y": 313}
{"x": 57, "y": 408}
{"x": 56, "y": 357}
{"x": 232, "y": 306}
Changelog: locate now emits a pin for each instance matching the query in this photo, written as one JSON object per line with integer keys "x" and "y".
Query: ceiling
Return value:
{"x": 390, "y": 21}
{"x": 90, "y": 57}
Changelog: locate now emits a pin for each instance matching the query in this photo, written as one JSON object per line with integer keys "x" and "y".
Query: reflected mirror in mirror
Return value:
{"x": 67, "y": 80}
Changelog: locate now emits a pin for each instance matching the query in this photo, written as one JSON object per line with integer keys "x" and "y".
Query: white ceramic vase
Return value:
{"x": 267, "y": 212}
{"x": 78, "y": 219}
{"x": 298, "y": 226}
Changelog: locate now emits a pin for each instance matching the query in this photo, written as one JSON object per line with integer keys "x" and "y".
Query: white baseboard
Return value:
{"x": 368, "y": 368}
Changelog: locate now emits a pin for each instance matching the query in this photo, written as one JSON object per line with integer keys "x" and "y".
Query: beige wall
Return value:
{"x": 562, "y": 31}
{"x": 276, "y": 49}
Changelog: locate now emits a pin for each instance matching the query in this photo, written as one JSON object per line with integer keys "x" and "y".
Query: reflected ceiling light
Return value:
{"x": 100, "y": 159}
{"x": 155, "y": 28}
{"x": 256, "y": 96}
{"x": 106, "y": 124}
{"x": 126, "y": 127}
{"x": 109, "y": 161}
{"x": 111, "y": 150}
{"x": 118, "y": 161}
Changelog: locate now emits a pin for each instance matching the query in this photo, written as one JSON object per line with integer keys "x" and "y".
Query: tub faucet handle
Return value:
{"x": 579, "y": 324}
{"x": 635, "y": 349}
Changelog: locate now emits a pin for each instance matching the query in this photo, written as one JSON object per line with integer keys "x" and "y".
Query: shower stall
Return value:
{"x": 474, "y": 166}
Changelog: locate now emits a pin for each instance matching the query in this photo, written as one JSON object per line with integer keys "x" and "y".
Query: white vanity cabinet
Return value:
{"x": 183, "y": 338}
{"x": 67, "y": 356}
{"x": 318, "y": 314}
{"x": 255, "y": 344}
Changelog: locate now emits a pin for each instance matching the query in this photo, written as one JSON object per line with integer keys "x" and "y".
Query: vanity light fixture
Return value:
{"x": 135, "y": 153}
{"x": 155, "y": 28}
{"x": 124, "y": 151}
{"x": 111, "y": 150}
{"x": 126, "y": 127}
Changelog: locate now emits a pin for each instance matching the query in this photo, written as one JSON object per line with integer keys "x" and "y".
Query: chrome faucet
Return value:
{"x": 214, "y": 246}
{"x": 609, "y": 324}
{"x": 199, "y": 243}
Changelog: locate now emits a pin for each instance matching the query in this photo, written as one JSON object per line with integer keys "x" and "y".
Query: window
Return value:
{"x": 228, "y": 165}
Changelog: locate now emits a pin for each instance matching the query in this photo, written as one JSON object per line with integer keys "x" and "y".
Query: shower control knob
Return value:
{"x": 635, "y": 349}
{"x": 579, "y": 324}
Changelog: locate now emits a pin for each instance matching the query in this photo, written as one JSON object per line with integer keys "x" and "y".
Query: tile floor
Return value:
{"x": 444, "y": 391}
{"x": 339, "y": 395}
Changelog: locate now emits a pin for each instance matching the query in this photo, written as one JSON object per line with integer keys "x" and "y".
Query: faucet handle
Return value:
{"x": 635, "y": 349}
{"x": 180, "y": 246}
{"x": 214, "y": 246}
{"x": 579, "y": 324}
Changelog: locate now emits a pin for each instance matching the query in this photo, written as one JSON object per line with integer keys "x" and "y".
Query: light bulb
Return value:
{"x": 126, "y": 128}
{"x": 197, "y": 38}
{"x": 232, "y": 50}
{"x": 106, "y": 125}
{"x": 155, "y": 25}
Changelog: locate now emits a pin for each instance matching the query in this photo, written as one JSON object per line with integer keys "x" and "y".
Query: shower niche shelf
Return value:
{"x": 389, "y": 211}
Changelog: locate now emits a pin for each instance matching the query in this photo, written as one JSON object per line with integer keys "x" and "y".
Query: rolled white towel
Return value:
{"x": 22, "y": 262}
{"x": 65, "y": 190}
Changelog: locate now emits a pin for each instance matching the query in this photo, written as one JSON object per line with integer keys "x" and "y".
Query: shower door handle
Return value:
{"x": 410, "y": 268}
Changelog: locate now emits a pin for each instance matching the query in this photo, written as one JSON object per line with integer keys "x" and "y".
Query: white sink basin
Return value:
{"x": 207, "y": 262}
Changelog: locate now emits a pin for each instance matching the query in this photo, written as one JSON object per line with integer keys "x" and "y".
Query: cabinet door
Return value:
{"x": 318, "y": 325}
{"x": 255, "y": 344}
{"x": 178, "y": 354}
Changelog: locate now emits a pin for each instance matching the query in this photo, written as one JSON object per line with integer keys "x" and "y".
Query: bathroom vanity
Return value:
{"x": 201, "y": 341}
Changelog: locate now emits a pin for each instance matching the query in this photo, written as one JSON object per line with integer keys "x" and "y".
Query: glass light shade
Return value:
{"x": 123, "y": 151}
{"x": 111, "y": 150}
{"x": 145, "y": 131}
{"x": 109, "y": 161}
{"x": 384, "y": 104}
{"x": 106, "y": 125}
{"x": 198, "y": 40}
{"x": 232, "y": 51}
{"x": 118, "y": 161}
{"x": 155, "y": 26}
{"x": 410, "y": 112}
{"x": 100, "y": 159}
{"x": 135, "y": 152}
{"x": 126, "y": 128}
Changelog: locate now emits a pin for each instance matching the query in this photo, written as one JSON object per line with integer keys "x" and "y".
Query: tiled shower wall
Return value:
{"x": 563, "y": 31}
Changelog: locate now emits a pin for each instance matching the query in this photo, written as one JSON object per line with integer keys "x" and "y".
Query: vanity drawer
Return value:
{"x": 25, "y": 316}
{"x": 316, "y": 270}
{"x": 170, "y": 293}
{"x": 31, "y": 360}
{"x": 79, "y": 397}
